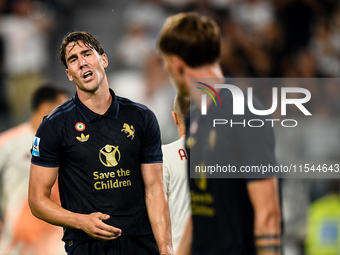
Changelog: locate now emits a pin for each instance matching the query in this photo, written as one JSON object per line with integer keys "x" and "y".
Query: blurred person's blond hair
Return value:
{"x": 181, "y": 106}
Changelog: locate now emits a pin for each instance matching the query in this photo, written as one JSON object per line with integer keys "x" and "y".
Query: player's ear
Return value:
{"x": 175, "y": 117}
{"x": 69, "y": 75}
{"x": 105, "y": 60}
{"x": 178, "y": 64}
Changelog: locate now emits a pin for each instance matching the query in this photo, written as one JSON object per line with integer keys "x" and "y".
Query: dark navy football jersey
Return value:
{"x": 223, "y": 217}
{"x": 99, "y": 159}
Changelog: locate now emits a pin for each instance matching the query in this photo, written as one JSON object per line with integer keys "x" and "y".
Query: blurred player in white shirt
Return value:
{"x": 175, "y": 174}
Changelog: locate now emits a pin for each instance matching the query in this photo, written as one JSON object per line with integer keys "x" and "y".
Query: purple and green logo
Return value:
{"x": 204, "y": 97}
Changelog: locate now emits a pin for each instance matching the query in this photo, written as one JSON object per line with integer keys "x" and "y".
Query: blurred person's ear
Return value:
{"x": 175, "y": 117}
{"x": 178, "y": 64}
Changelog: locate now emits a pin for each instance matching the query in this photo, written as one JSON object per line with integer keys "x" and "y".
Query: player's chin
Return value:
{"x": 89, "y": 88}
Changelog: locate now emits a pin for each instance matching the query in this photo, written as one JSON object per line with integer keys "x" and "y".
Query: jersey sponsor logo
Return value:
{"x": 201, "y": 180}
{"x": 129, "y": 130}
{"x": 35, "y": 150}
{"x": 83, "y": 138}
{"x": 202, "y": 202}
{"x": 109, "y": 155}
{"x": 80, "y": 126}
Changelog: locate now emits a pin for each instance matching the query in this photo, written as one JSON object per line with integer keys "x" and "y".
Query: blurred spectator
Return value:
{"x": 253, "y": 15}
{"x": 24, "y": 234}
{"x": 142, "y": 21}
{"x": 25, "y": 33}
{"x": 325, "y": 46}
{"x": 151, "y": 87}
{"x": 296, "y": 18}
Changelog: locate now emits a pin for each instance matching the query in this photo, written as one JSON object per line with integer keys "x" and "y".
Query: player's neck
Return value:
{"x": 207, "y": 71}
{"x": 99, "y": 101}
{"x": 181, "y": 130}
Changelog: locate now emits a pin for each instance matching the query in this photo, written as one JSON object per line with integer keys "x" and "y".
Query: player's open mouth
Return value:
{"x": 87, "y": 75}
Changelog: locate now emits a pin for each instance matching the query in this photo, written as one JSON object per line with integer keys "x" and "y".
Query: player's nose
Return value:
{"x": 82, "y": 62}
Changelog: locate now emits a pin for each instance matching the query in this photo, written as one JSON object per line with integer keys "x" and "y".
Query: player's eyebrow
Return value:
{"x": 70, "y": 57}
{"x": 75, "y": 55}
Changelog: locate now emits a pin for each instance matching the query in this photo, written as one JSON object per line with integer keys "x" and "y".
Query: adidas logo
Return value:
{"x": 83, "y": 138}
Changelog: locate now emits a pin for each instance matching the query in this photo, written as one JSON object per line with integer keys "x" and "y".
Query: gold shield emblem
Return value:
{"x": 129, "y": 130}
{"x": 109, "y": 155}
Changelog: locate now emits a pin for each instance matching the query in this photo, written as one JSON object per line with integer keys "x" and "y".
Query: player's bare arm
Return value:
{"x": 184, "y": 247}
{"x": 41, "y": 182}
{"x": 267, "y": 223}
{"x": 157, "y": 206}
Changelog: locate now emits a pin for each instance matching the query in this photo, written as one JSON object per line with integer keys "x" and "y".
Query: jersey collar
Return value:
{"x": 89, "y": 115}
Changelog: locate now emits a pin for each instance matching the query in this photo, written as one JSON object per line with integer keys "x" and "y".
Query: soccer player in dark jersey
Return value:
{"x": 106, "y": 152}
{"x": 229, "y": 216}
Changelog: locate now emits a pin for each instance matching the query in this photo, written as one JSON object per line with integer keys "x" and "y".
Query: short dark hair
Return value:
{"x": 46, "y": 92}
{"x": 87, "y": 39}
{"x": 194, "y": 38}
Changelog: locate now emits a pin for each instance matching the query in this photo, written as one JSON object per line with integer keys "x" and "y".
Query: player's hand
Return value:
{"x": 94, "y": 226}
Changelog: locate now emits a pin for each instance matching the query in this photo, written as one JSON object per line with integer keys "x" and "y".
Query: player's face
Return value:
{"x": 85, "y": 66}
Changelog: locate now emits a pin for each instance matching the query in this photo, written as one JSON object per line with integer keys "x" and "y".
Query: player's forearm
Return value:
{"x": 267, "y": 233}
{"x": 158, "y": 211}
{"x": 264, "y": 196}
{"x": 46, "y": 209}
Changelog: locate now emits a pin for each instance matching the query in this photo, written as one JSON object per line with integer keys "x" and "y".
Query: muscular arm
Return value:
{"x": 184, "y": 247}
{"x": 267, "y": 219}
{"x": 157, "y": 206}
{"x": 44, "y": 208}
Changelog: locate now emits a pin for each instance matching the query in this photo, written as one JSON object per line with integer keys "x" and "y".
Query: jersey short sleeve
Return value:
{"x": 46, "y": 148}
{"x": 151, "y": 149}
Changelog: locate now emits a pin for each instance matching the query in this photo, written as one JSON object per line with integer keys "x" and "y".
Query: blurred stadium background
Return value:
{"x": 260, "y": 38}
